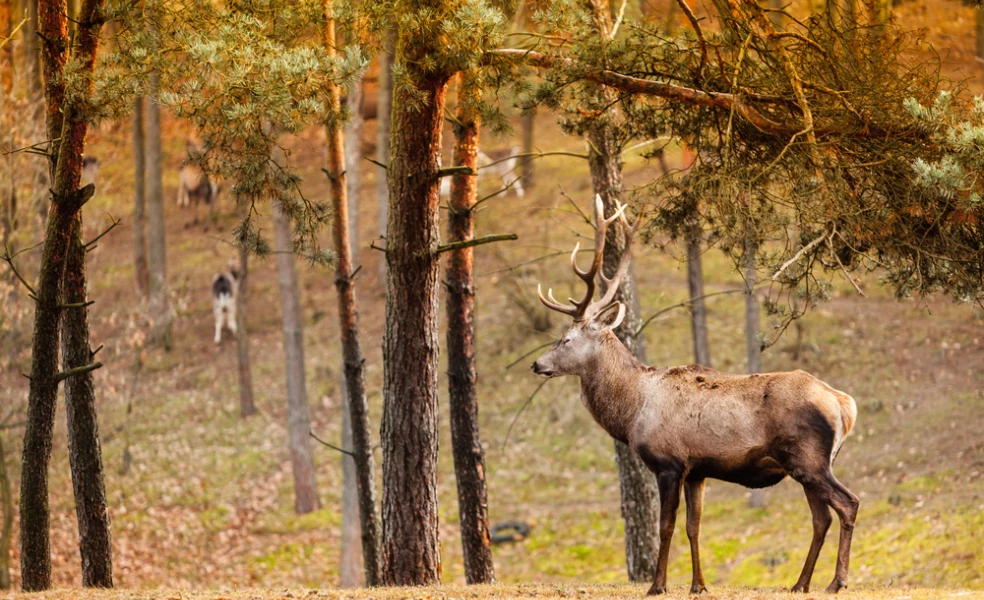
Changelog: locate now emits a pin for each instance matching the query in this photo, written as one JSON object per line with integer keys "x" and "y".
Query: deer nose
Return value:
{"x": 537, "y": 369}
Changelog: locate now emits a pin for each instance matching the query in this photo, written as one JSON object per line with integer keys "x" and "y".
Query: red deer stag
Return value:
{"x": 690, "y": 423}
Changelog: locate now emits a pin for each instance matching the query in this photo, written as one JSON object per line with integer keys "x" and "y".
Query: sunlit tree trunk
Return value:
{"x": 753, "y": 345}
{"x": 356, "y": 405}
{"x": 7, "y": 530}
{"x": 70, "y": 122}
{"x": 529, "y": 121}
{"x": 411, "y": 544}
{"x": 698, "y": 308}
{"x": 469, "y": 460}
{"x": 353, "y": 165}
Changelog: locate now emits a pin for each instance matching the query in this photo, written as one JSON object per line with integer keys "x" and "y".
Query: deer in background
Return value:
{"x": 195, "y": 186}
{"x": 692, "y": 423}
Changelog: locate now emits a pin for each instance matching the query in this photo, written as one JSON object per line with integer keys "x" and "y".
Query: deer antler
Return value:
{"x": 584, "y": 309}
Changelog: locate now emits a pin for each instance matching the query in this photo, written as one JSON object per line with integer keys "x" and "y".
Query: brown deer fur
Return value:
{"x": 692, "y": 423}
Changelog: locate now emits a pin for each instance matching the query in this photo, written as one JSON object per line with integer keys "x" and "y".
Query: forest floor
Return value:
{"x": 206, "y": 502}
{"x": 502, "y": 592}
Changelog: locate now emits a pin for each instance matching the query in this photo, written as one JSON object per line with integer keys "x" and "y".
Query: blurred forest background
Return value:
{"x": 200, "y": 496}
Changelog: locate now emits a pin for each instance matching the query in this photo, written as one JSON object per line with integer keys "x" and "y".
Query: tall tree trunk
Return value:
{"x": 70, "y": 122}
{"x": 354, "y": 364}
{"x": 247, "y": 406}
{"x": 353, "y": 165}
{"x": 529, "y": 120}
{"x": 298, "y": 421}
{"x": 469, "y": 461}
{"x": 639, "y": 495}
{"x": 157, "y": 255}
{"x": 7, "y": 531}
{"x": 411, "y": 544}
{"x": 698, "y": 308}
{"x": 32, "y": 59}
{"x": 350, "y": 575}
{"x": 140, "y": 269}
{"x": 6, "y": 53}
{"x": 384, "y": 104}
{"x": 979, "y": 12}
{"x": 776, "y": 17}
{"x": 753, "y": 345}
{"x": 84, "y": 449}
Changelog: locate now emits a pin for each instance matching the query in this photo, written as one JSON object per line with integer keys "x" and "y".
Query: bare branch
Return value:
{"x": 488, "y": 239}
{"x": 796, "y": 257}
{"x": 77, "y": 371}
{"x": 333, "y": 447}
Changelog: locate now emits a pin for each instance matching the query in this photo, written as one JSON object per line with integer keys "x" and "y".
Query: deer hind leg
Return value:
{"x": 219, "y": 316}
{"x": 669, "y": 500}
{"x": 694, "y": 493}
{"x": 846, "y": 505}
{"x": 821, "y": 523}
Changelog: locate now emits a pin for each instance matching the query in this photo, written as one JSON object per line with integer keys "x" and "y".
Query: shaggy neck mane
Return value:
{"x": 609, "y": 387}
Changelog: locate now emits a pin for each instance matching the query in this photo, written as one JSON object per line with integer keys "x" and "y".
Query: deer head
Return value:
{"x": 580, "y": 345}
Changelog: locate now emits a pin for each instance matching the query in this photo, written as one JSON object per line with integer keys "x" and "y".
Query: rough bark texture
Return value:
{"x": 157, "y": 256}
{"x": 469, "y": 460}
{"x": 698, "y": 308}
{"x": 140, "y": 269}
{"x": 67, "y": 199}
{"x": 84, "y": 449}
{"x": 298, "y": 421}
{"x": 353, "y": 166}
{"x": 247, "y": 406}
{"x": 354, "y": 363}
{"x": 979, "y": 32}
{"x": 637, "y": 485}
{"x": 7, "y": 531}
{"x": 383, "y": 116}
{"x": 411, "y": 545}
{"x": 639, "y": 496}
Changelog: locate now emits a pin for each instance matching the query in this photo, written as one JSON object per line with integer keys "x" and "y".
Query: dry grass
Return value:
{"x": 481, "y": 592}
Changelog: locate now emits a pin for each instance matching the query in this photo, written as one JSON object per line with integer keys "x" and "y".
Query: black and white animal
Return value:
{"x": 225, "y": 288}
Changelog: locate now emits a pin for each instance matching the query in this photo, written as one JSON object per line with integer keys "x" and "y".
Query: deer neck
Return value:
{"x": 610, "y": 388}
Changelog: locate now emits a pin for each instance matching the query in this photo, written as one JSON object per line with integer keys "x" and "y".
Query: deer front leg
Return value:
{"x": 694, "y": 493}
{"x": 669, "y": 500}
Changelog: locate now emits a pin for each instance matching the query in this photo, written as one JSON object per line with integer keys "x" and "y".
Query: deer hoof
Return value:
{"x": 800, "y": 588}
{"x": 656, "y": 590}
{"x": 835, "y": 586}
{"x": 698, "y": 588}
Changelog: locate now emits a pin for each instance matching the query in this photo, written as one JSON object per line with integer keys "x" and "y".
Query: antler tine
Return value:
{"x": 611, "y": 285}
{"x": 551, "y": 303}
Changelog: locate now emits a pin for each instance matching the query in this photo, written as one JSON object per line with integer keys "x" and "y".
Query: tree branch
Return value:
{"x": 77, "y": 371}
{"x": 488, "y": 239}
{"x": 796, "y": 257}
{"x": 333, "y": 447}
{"x": 449, "y": 171}
{"x": 7, "y": 258}
{"x": 108, "y": 229}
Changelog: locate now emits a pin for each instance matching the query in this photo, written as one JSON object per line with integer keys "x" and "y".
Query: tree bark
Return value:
{"x": 350, "y": 575}
{"x": 354, "y": 363}
{"x": 71, "y": 125}
{"x": 84, "y": 450}
{"x": 698, "y": 308}
{"x": 353, "y": 165}
{"x": 157, "y": 255}
{"x": 7, "y": 532}
{"x": 979, "y": 34}
{"x": 32, "y": 58}
{"x": 639, "y": 496}
{"x": 383, "y": 116}
{"x": 140, "y": 269}
{"x": 247, "y": 406}
{"x": 529, "y": 120}
{"x": 777, "y": 18}
{"x": 637, "y": 485}
{"x": 298, "y": 421}
{"x": 469, "y": 461}
{"x": 7, "y": 52}
{"x": 411, "y": 545}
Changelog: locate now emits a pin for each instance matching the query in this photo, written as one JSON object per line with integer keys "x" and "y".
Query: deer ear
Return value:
{"x": 610, "y": 317}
